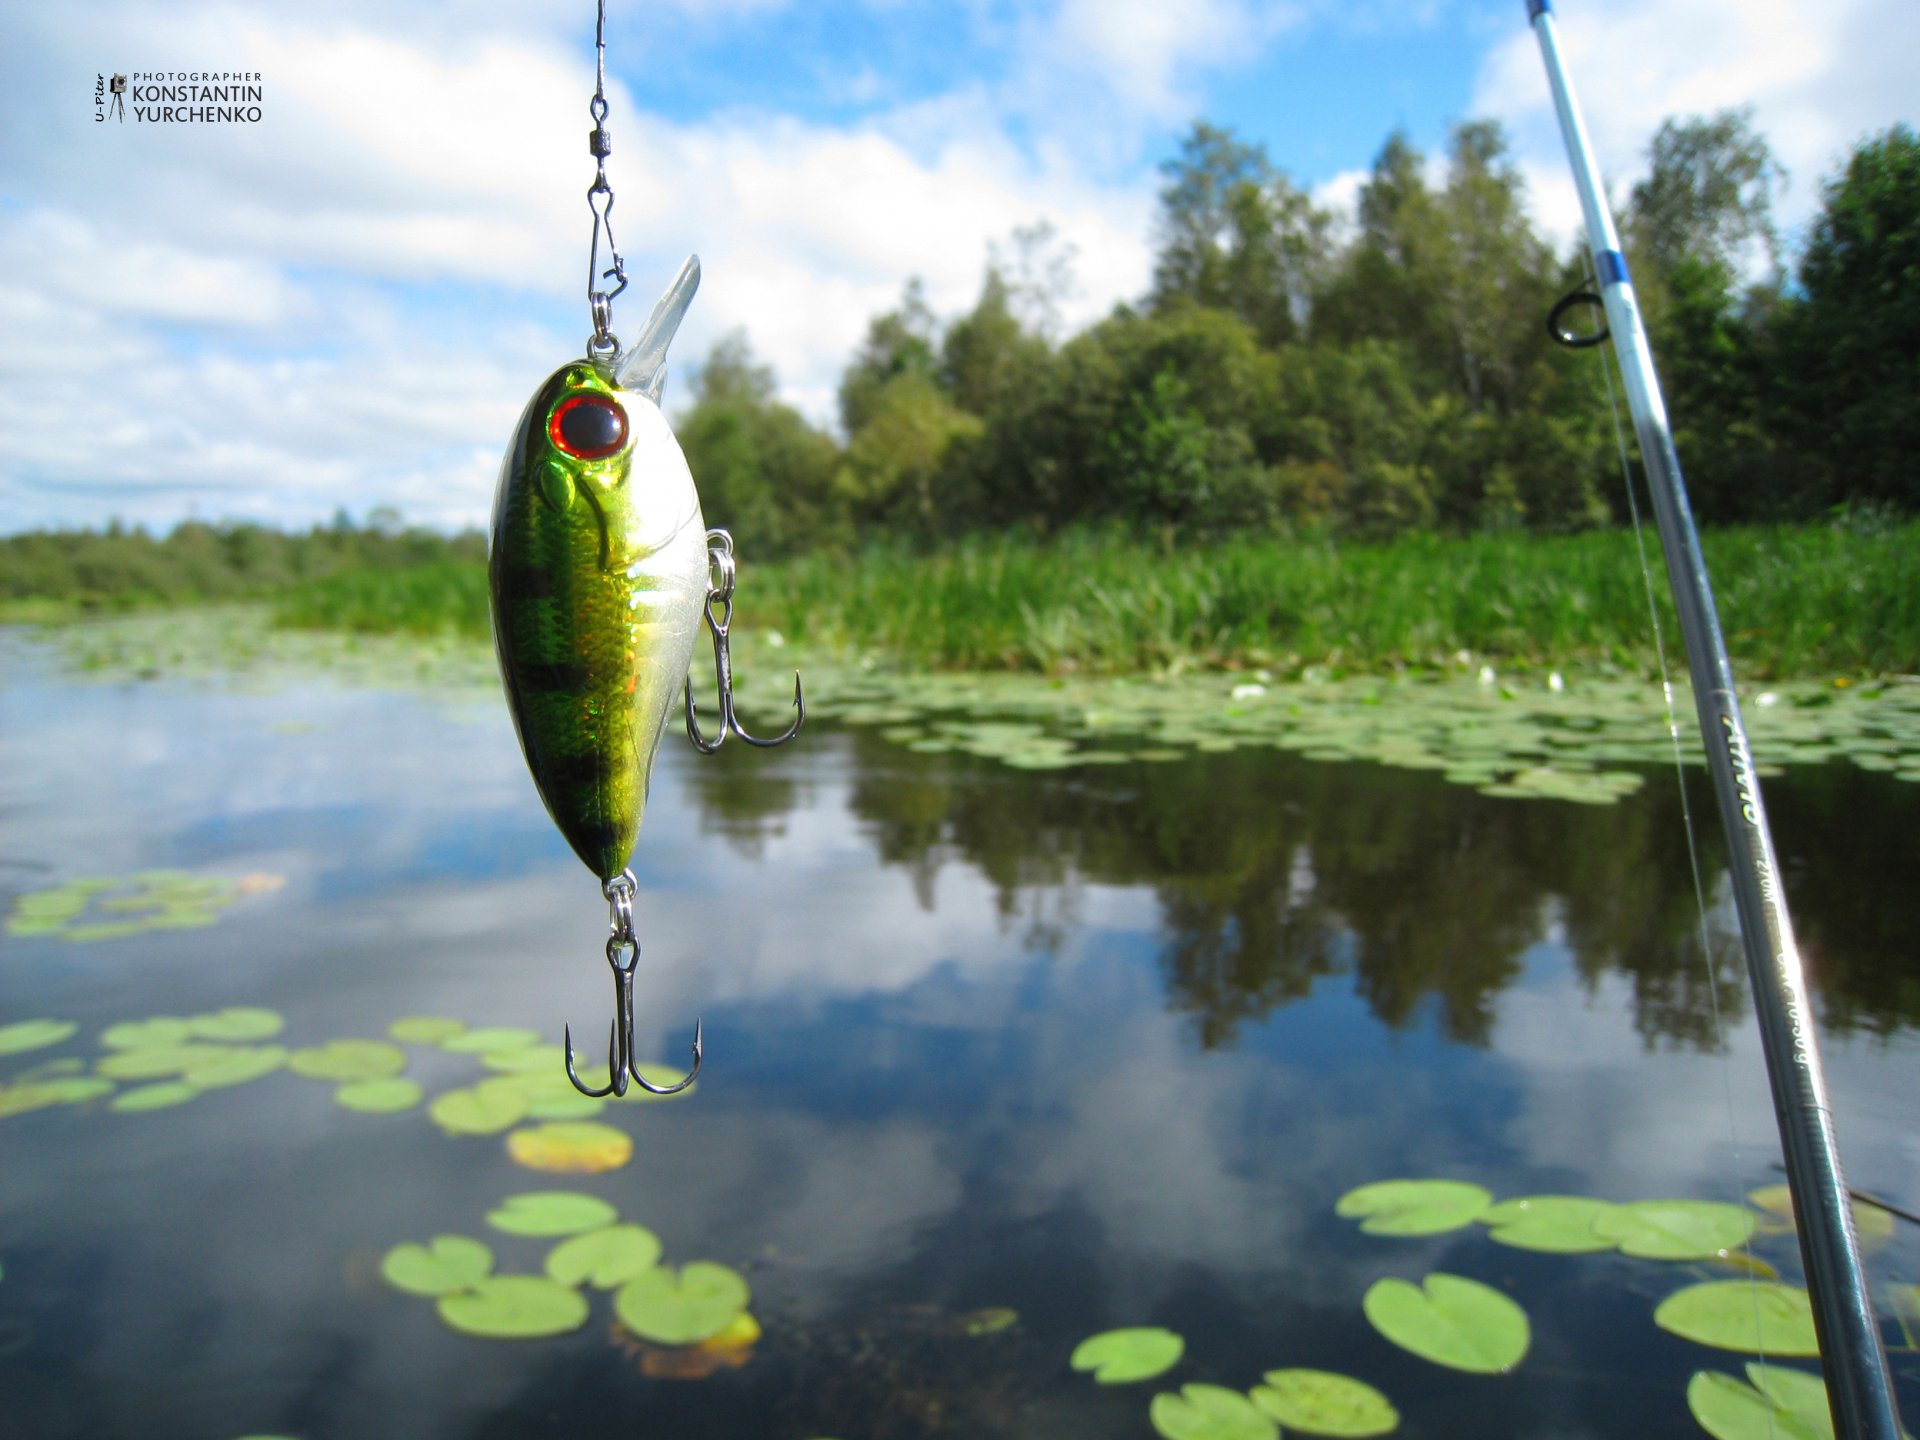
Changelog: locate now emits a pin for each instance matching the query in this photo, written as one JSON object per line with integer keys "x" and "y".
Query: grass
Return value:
{"x": 1795, "y": 601}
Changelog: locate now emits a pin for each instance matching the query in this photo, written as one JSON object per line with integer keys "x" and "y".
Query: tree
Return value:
{"x": 1708, "y": 195}
{"x": 1853, "y": 342}
{"x": 987, "y": 351}
{"x": 899, "y": 342}
{"x": 1236, "y": 235}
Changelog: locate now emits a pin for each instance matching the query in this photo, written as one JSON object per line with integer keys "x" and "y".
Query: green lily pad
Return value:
{"x": 1675, "y": 1229}
{"x": 1323, "y": 1403}
{"x": 379, "y": 1097}
{"x": 681, "y": 1308}
{"x": 155, "y": 1097}
{"x": 349, "y": 1060}
{"x": 479, "y": 1110}
{"x": 1779, "y": 1405}
{"x": 1414, "y": 1207}
{"x": 24, "y": 1035}
{"x": 443, "y": 1265}
{"x": 515, "y": 1307}
{"x": 426, "y": 1029}
{"x": 1209, "y": 1412}
{"x": 32, "y": 1095}
{"x": 1872, "y": 1225}
{"x": 144, "y": 1034}
{"x": 497, "y": 1037}
{"x": 150, "y": 1062}
{"x": 1117, "y": 1357}
{"x": 1452, "y": 1321}
{"x": 1557, "y": 1224}
{"x": 1758, "y": 1317}
{"x": 551, "y": 1212}
{"x": 237, "y": 1022}
{"x": 239, "y": 1065}
{"x": 604, "y": 1258}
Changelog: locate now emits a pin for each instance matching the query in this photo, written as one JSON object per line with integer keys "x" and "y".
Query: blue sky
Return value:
{"x": 346, "y": 304}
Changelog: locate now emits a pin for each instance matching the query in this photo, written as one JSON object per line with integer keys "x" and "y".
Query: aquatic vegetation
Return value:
{"x": 514, "y": 1307}
{"x": 348, "y": 1060}
{"x": 1118, "y": 1357}
{"x": 1674, "y": 1229}
{"x": 1210, "y": 1412}
{"x": 551, "y": 1212}
{"x": 1757, "y": 1316}
{"x": 1321, "y": 1402}
{"x": 484, "y": 1109}
{"x": 1873, "y": 1225}
{"x": 25, "y": 1035}
{"x": 581, "y": 1147}
{"x": 1779, "y": 1404}
{"x": 1450, "y": 1320}
{"x": 426, "y": 1029}
{"x": 385, "y": 1096}
{"x": 1557, "y": 1224}
{"x": 1414, "y": 1207}
{"x": 605, "y": 1258}
{"x": 108, "y": 908}
{"x": 694, "y": 1304}
{"x": 444, "y": 1264}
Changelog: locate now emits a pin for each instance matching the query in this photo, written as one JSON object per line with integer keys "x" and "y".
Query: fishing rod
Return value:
{"x": 1859, "y": 1389}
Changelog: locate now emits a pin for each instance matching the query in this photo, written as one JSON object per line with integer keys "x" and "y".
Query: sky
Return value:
{"x": 344, "y": 304}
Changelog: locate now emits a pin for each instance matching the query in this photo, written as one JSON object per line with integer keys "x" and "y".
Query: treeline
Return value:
{"x": 1292, "y": 371}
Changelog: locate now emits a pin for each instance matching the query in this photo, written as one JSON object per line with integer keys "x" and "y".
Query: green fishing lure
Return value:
{"x": 600, "y": 573}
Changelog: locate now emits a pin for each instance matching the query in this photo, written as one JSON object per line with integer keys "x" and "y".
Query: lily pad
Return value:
{"x": 24, "y": 1035}
{"x": 32, "y": 1095}
{"x": 479, "y": 1110}
{"x": 155, "y": 1097}
{"x": 1323, "y": 1403}
{"x": 1758, "y": 1317}
{"x": 604, "y": 1258}
{"x": 1675, "y": 1229}
{"x": 661, "y": 1075}
{"x": 671, "y": 1308}
{"x": 443, "y": 1265}
{"x": 426, "y": 1029}
{"x": 143, "y": 1034}
{"x": 1117, "y": 1357}
{"x": 1414, "y": 1207}
{"x": 1873, "y": 1225}
{"x": 571, "y": 1147}
{"x": 1557, "y": 1224}
{"x": 496, "y": 1037}
{"x": 150, "y": 1062}
{"x": 551, "y": 1212}
{"x": 1450, "y": 1320}
{"x": 1209, "y": 1412}
{"x": 349, "y": 1060}
{"x": 239, "y": 1065}
{"x": 379, "y": 1097}
{"x": 237, "y": 1022}
{"x": 515, "y": 1307}
{"x": 1779, "y": 1404}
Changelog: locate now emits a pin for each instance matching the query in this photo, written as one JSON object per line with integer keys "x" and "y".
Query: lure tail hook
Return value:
{"x": 720, "y": 593}
{"x": 623, "y": 957}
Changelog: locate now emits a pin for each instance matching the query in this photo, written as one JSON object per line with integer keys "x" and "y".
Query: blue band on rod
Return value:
{"x": 1613, "y": 268}
{"x": 1537, "y": 8}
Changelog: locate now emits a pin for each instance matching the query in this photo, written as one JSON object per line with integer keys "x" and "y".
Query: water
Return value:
{"x": 1101, "y": 1048}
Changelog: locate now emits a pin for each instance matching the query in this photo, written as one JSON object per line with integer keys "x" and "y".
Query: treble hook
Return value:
{"x": 720, "y": 561}
{"x": 623, "y": 955}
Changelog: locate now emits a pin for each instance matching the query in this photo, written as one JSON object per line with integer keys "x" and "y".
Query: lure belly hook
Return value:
{"x": 600, "y": 572}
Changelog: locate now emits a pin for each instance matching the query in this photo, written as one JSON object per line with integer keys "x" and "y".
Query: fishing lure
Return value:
{"x": 600, "y": 571}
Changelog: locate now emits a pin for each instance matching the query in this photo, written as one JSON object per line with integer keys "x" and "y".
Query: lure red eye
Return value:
{"x": 589, "y": 427}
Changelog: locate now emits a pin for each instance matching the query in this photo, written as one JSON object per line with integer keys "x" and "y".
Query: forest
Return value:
{"x": 1294, "y": 381}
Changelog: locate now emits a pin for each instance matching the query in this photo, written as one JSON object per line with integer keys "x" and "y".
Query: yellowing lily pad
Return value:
{"x": 1756, "y": 1316}
{"x": 1209, "y": 1412}
{"x": 571, "y": 1147}
{"x": 1452, "y": 1321}
{"x": 349, "y": 1060}
{"x": 379, "y": 1097}
{"x": 1780, "y": 1404}
{"x": 670, "y": 1308}
{"x": 1557, "y": 1224}
{"x": 24, "y": 1035}
{"x": 551, "y": 1212}
{"x": 1873, "y": 1225}
{"x": 1117, "y": 1357}
{"x": 604, "y": 1258}
{"x": 1675, "y": 1229}
{"x": 515, "y": 1307}
{"x": 1414, "y": 1207}
{"x": 443, "y": 1265}
{"x": 1323, "y": 1403}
